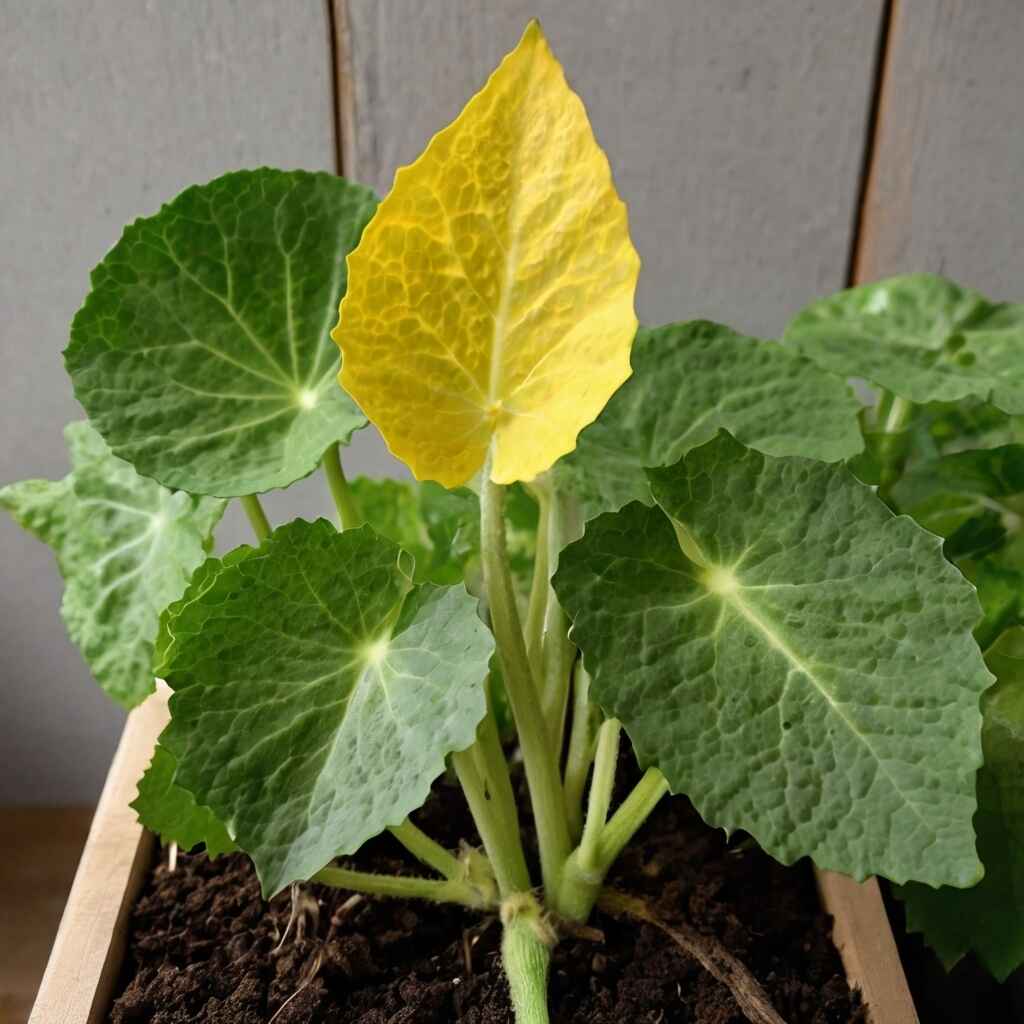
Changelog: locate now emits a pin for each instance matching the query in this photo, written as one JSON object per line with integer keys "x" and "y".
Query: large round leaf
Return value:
{"x": 317, "y": 695}
{"x": 491, "y": 297}
{"x": 202, "y": 352}
{"x": 126, "y": 547}
{"x": 793, "y": 657}
{"x": 922, "y": 337}
{"x": 988, "y": 919}
{"x": 689, "y": 380}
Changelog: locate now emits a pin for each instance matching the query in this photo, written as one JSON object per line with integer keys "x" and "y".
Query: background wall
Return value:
{"x": 768, "y": 152}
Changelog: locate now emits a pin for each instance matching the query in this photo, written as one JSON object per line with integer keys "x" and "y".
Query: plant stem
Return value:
{"x": 601, "y": 786}
{"x": 539, "y": 758}
{"x": 893, "y": 447}
{"x": 539, "y": 586}
{"x": 499, "y": 784}
{"x": 257, "y": 517}
{"x": 559, "y": 650}
{"x": 583, "y": 876}
{"x": 348, "y": 511}
{"x": 526, "y": 956}
{"x": 899, "y": 413}
{"x": 404, "y": 887}
{"x": 632, "y": 813}
{"x": 504, "y": 851}
{"x": 581, "y": 750}
{"x": 426, "y": 850}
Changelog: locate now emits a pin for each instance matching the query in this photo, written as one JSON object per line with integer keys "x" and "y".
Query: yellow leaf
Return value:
{"x": 490, "y": 299}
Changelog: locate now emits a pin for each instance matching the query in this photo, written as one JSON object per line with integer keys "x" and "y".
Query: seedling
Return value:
{"x": 646, "y": 531}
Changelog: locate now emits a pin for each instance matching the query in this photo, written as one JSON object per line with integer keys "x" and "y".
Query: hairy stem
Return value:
{"x": 257, "y": 517}
{"x": 539, "y": 758}
{"x": 585, "y": 874}
{"x": 344, "y": 500}
{"x": 404, "y": 887}
{"x": 526, "y": 956}
{"x": 504, "y": 850}
{"x": 581, "y": 750}
{"x": 601, "y": 786}
{"x": 426, "y": 850}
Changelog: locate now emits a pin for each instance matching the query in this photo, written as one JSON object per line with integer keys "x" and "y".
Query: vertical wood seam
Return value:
{"x": 339, "y": 43}
{"x": 882, "y": 74}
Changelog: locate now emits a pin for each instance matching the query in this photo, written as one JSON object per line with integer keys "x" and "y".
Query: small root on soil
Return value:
{"x": 706, "y": 950}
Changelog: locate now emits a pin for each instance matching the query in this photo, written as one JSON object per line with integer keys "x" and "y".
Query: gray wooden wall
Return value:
{"x": 740, "y": 134}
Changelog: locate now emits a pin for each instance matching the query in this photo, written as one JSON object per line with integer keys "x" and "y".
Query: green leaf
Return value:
{"x": 317, "y": 695}
{"x": 202, "y": 352}
{"x": 423, "y": 519}
{"x": 172, "y": 812}
{"x": 690, "y": 379}
{"x": 988, "y": 919}
{"x": 126, "y": 547}
{"x": 993, "y": 472}
{"x": 920, "y": 336}
{"x": 768, "y": 638}
{"x": 1000, "y": 591}
{"x": 960, "y": 496}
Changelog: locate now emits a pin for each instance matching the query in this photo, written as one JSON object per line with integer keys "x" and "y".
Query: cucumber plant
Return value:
{"x": 611, "y": 529}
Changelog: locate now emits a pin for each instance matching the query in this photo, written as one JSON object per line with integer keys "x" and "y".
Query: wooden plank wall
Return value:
{"x": 946, "y": 190}
{"x": 735, "y": 129}
{"x": 738, "y": 132}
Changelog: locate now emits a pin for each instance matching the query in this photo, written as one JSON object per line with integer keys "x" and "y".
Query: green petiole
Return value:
{"x": 344, "y": 500}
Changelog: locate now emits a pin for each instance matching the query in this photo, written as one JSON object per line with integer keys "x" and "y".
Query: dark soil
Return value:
{"x": 203, "y": 945}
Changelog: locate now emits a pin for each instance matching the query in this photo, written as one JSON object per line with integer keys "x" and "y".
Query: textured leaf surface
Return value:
{"x": 126, "y": 547}
{"x": 768, "y": 638}
{"x": 172, "y": 812}
{"x": 988, "y": 919}
{"x": 424, "y": 519}
{"x": 202, "y": 352}
{"x": 491, "y": 297}
{"x": 691, "y": 379}
{"x": 922, "y": 337}
{"x": 316, "y": 695}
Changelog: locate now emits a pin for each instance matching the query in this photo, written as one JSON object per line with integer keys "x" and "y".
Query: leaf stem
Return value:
{"x": 344, "y": 500}
{"x": 559, "y": 651}
{"x": 539, "y": 758}
{"x": 504, "y": 853}
{"x": 426, "y": 850}
{"x": 404, "y": 887}
{"x": 257, "y": 517}
{"x": 632, "y": 813}
{"x": 601, "y": 785}
{"x": 581, "y": 750}
{"x": 583, "y": 876}
{"x": 893, "y": 448}
{"x": 539, "y": 586}
{"x": 499, "y": 784}
{"x": 899, "y": 413}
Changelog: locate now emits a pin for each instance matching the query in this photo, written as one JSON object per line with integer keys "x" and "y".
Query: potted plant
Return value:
{"x": 644, "y": 535}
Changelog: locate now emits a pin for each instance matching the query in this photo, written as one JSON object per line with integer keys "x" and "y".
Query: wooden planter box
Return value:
{"x": 79, "y": 982}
